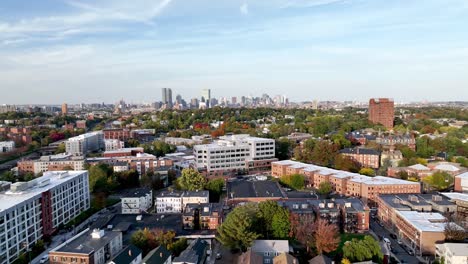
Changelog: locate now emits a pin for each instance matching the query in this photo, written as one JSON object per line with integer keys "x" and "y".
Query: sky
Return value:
{"x": 74, "y": 51}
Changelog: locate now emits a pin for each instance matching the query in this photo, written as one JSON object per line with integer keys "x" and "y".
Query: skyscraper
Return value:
{"x": 64, "y": 109}
{"x": 167, "y": 97}
{"x": 381, "y": 111}
{"x": 206, "y": 97}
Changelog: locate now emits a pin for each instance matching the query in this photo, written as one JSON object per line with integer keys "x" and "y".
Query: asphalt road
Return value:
{"x": 398, "y": 251}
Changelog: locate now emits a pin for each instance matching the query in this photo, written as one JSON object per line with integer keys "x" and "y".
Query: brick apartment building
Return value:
{"x": 351, "y": 215}
{"x": 417, "y": 219}
{"x": 381, "y": 111}
{"x": 20, "y": 135}
{"x": 202, "y": 216}
{"x": 368, "y": 158}
{"x": 343, "y": 182}
{"x": 89, "y": 247}
{"x": 122, "y": 134}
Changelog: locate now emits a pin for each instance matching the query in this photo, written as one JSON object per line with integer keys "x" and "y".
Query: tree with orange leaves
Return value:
{"x": 327, "y": 237}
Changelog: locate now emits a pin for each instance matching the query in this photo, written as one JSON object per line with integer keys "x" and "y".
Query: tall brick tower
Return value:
{"x": 382, "y": 111}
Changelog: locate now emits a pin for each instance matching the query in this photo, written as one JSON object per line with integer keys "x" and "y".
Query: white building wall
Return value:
{"x": 21, "y": 224}
{"x": 7, "y": 146}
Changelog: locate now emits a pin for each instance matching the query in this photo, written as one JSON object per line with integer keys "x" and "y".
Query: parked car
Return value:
{"x": 393, "y": 236}
{"x": 218, "y": 255}
{"x": 386, "y": 240}
{"x": 44, "y": 259}
{"x": 399, "y": 242}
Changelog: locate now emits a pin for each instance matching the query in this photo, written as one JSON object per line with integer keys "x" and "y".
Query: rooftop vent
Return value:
{"x": 97, "y": 233}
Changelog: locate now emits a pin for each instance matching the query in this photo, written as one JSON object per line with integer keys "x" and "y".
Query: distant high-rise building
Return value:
{"x": 234, "y": 100}
{"x": 167, "y": 97}
{"x": 64, "y": 109}
{"x": 7, "y": 108}
{"x": 206, "y": 97}
{"x": 194, "y": 103}
{"x": 381, "y": 111}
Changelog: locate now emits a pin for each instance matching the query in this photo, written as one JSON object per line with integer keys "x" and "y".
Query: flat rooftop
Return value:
{"x": 456, "y": 196}
{"x": 51, "y": 179}
{"x": 424, "y": 222}
{"x": 251, "y": 189}
{"x": 84, "y": 243}
{"x": 457, "y": 249}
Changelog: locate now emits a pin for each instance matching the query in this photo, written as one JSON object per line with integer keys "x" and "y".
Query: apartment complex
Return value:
{"x": 20, "y": 135}
{"x": 84, "y": 144}
{"x": 351, "y": 215}
{"x": 417, "y": 219}
{"x": 233, "y": 154}
{"x": 29, "y": 210}
{"x": 381, "y": 111}
{"x": 113, "y": 144}
{"x": 368, "y": 158}
{"x": 389, "y": 142}
{"x": 121, "y": 134}
{"x": 51, "y": 163}
{"x": 343, "y": 182}
{"x": 137, "y": 201}
{"x": 202, "y": 216}
{"x": 7, "y": 146}
{"x": 90, "y": 246}
{"x": 142, "y": 162}
{"x": 175, "y": 201}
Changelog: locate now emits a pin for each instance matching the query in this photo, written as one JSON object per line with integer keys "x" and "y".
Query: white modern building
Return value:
{"x": 453, "y": 253}
{"x": 175, "y": 201}
{"x": 29, "y": 210}
{"x": 113, "y": 144}
{"x": 7, "y": 146}
{"x": 231, "y": 154}
{"x": 137, "y": 201}
{"x": 83, "y": 144}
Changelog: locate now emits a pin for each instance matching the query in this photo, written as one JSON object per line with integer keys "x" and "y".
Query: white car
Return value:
{"x": 44, "y": 259}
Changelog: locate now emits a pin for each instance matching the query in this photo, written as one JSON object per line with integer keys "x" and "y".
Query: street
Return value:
{"x": 398, "y": 251}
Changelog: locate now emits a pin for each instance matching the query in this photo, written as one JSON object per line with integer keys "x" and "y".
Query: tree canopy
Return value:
{"x": 191, "y": 180}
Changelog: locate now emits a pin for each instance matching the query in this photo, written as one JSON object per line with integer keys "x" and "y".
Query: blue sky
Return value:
{"x": 54, "y": 51}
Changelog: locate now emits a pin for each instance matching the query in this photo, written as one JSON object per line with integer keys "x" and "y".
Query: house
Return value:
{"x": 250, "y": 257}
{"x": 269, "y": 249}
{"x": 129, "y": 255}
{"x": 159, "y": 255}
{"x": 137, "y": 201}
{"x": 321, "y": 259}
{"x": 195, "y": 253}
{"x": 285, "y": 258}
{"x": 175, "y": 201}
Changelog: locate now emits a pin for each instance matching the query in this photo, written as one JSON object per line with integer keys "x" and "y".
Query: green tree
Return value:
{"x": 215, "y": 186}
{"x": 295, "y": 181}
{"x": 439, "y": 180}
{"x": 191, "y": 180}
{"x": 144, "y": 239}
{"x": 60, "y": 148}
{"x": 325, "y": 188}
{"x": 362, "y": 250}
{"x": 284, "y": 148}
{"x": 367, "y": 171}
{"x": 280, "y": 224}
{"x": 346, "y": 163}
{"x": 236, "y": 232}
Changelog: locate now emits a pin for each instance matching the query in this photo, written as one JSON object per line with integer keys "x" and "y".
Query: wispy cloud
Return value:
{"x": 308, "y": 3}
{"x": 244, "y": 9}
{"x": 85, "y": 18}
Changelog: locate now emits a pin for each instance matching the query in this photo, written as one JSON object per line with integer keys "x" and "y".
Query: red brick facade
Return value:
{"x": 381, "y": 111}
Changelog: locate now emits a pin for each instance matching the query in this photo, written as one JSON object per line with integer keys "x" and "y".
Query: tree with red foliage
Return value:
{"x": 327, "y": 237}
{"x": 303, "y": 229}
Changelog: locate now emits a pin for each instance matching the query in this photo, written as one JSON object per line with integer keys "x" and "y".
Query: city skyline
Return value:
{"x": 343, "y": 50}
